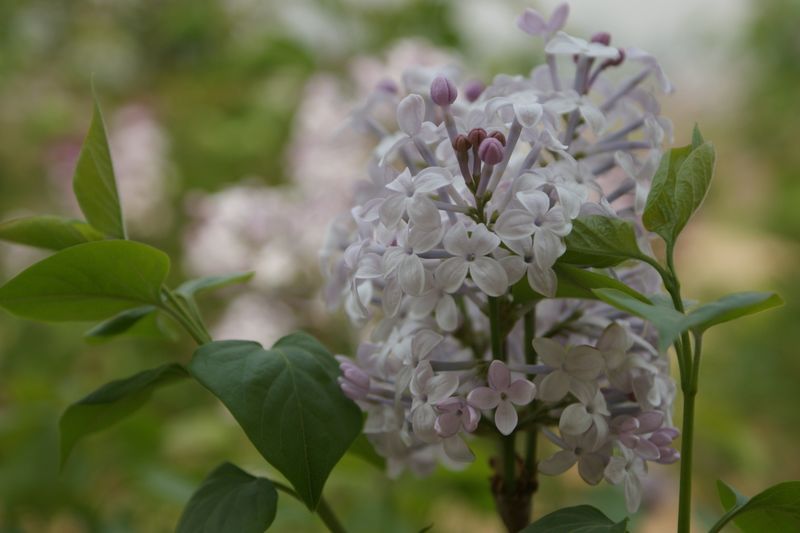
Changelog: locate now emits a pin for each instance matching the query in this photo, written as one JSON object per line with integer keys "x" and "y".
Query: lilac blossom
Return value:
{"x": 503, "y": 394}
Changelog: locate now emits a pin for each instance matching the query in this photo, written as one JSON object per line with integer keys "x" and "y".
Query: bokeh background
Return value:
{"x": 225, "y": 118}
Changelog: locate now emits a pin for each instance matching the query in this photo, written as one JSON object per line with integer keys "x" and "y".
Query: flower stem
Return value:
{"x": 687, "y": 439}
{"x": 324, "y": 511}
{"x": 494, "y": 325}
{"x": 529, "y": 323}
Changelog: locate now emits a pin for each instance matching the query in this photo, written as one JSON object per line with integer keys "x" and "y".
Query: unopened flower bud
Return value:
{"x": 461, "y": 144}
{"x": 473, "y": 90}
{"x": 499, "y": 136}
{"x": 476, "y": 136}
{"x": 491, "y": 151}
{"x": 602, "y": 37}
{"x": 615, "y": 62}
{"x": 443, "y": 91}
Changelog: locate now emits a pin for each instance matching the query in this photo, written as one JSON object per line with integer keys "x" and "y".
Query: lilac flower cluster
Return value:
{"x": 472, "y": 195}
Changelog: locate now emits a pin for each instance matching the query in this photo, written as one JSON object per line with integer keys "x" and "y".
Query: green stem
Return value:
{"x": 509, "y": 453}
{"x": 687, "y": 439}
{"x": 185, "y": 317}
{"x": 324, "y": 511}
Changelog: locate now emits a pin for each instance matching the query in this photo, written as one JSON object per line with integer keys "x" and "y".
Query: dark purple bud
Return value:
{"x": 461, "y": 144}
{"x": 387, "y": 85}
{"x": 499, "y": 136}
{"x": 491, "y": 151}
{"x": 476, "y": 136}
{"x": 443, "y": 91}
{"x": 473, "y": 90}
{"x": 602, "y": 37}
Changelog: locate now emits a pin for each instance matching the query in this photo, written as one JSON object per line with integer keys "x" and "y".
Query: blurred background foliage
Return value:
{"x": 203, "y": 101}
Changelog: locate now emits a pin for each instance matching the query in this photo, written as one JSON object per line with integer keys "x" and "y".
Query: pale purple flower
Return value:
{"x": 522, "y": 262}
{"x": 569, "y": 101}
{"x": 456, "y": 414}
{"x": 581, "y": 449}
{"x": 411, "y": 114}
{"x": 404, "y": 260}
{"x": 429, "y": 389}
{"x": 523, "y": 106}
{"x": 564, "y": 44}
{"x": 578, "y": 418}
{"x": 471, "y": 256}
{"x": 531, "y": 22}
{"x": 629, "y": 470}
{"x": 503, "y": 394}
{"x": 410, "y": 195}
{"x": 353, "y": 381}
{"x": 575, "y": 370}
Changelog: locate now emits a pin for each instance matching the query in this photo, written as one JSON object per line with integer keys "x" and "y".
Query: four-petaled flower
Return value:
{"x": 575, "y": 370}
{"x": 471, "y": 255}
{"x": 503, "y": 393}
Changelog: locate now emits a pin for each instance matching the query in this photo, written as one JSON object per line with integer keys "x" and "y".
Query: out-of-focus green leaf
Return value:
{"x": 194, "y": 286}
{"x": 288, "y": 402}
{"x": 112, "y": 402}
{"x": 48, "y": 231}
{"x": 578, "y": 519}
{"x": 94, "y": 183}
{"x": 573, "y": 282}
{"x": 731, "y": 307}
{"x": 232, "y": 500}
{"x": 363, "y": 449}
{"x": 143, "y": 322}
{"x": 774, "y": 509}
{"x": 90, "y": 281}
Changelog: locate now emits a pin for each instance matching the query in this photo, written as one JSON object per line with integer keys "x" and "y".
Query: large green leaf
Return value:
{"x": 775, "y": 509}
{"x": 573, "y": 282}
{"x": 112, "y": 402}
{"x": 578, "y": 519}
{"x": 287, "y": 401}
{"x": 48, "y": 232}
{"x": 230, "y": 500}
{"x": 679, "y": 187}
{"x": 94, "y": 183}
{"x": 731, "y": 307}
{"x": 364, "y": 450}
{"x": 601, "y": 241}
{"x": 209, "y": 283}
{"x": 90, "y": 281}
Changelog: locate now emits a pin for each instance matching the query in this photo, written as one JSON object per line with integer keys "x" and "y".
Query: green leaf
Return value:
{"x": 573, "y": 282}
{"x": 94, "y": 183}
{"x": 679, "y": 186}
{"x": 48, "y": 232}
{"x": 230, "y": 499}
{"x": 112, "y": 402}
{"x": 90, "y": 281}
{"x": 775, "y": 509}
{"x": 731, "y": 307}
{"x": 287, "y": 401}
{"x": 697, "y": 137}
{"x": 144, "y": 322}
{"x": 601, "y": 241}
{"x": 578, "y": 519}
{"x": 669, "y": 322}
{"x": 194, "y": 286}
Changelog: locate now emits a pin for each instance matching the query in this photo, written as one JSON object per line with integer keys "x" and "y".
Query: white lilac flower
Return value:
{"x": 503, "y": 394}
{"x": 471, "y": 255}
{"x": 429, "y": 389}
{"x": 470, "y": 192}
{"x": 628, "y": 470}
{"x": 581, "y": 449}
{"x": 574, "y": 370}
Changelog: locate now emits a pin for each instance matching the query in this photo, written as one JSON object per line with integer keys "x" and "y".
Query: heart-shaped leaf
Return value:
{"x": 287, "y": 401}
{"x": 48, "y": 232}
{"x": 112, "y": 402}
{"x": 90, "y": 281}
{"x": 94, "y": 183}
{"x": 578, "y": 519}
{"x": 230, "y": 499}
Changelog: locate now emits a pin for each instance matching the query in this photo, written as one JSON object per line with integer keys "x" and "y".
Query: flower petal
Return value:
{"x": 559, "y": 463}
{"x": 591, "y": 467}
{"x": 554, "y": 386}
{"x": 447, "y": 313}
{"x": 457, "y": 450}
{"x": 505, "y": 417}
{"x": 411, "y": 275}
{"x": 450, "y": 273}
{"x": 410, "y": 114}
{"x": 488, "y": 275}
{"x": 521, "y": 392}
{"x": 392, "y": 210}
{"x": 484, "y": 398}
{"x": 549, "y": 351}
{"x": 575, "y": 420}
{"x": 514, "y": 224}
{"x": 499, "y": 376}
